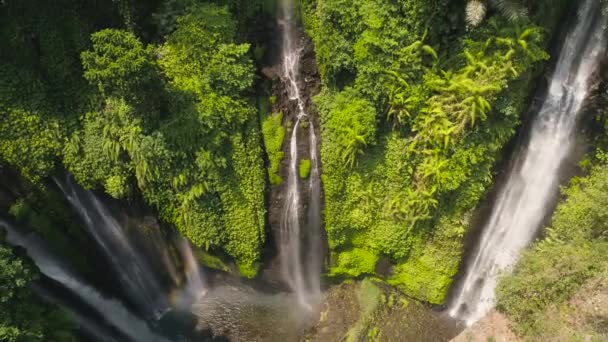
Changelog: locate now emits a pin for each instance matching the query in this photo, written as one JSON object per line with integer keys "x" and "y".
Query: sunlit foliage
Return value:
{"x": 410, "y": 131}
{"x": 571, "y": 255}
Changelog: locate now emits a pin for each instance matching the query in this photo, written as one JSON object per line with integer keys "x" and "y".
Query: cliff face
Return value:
{"x": 309, "y": 84}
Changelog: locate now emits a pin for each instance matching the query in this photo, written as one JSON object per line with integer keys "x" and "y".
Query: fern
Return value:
{"x": 513, "y": 10}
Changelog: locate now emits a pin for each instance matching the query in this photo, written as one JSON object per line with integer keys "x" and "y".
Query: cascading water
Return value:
{"x": 134, "y": 272}
{"x": 194, "y": 288}
{"x": 533, "y": 182}
{"x": 302, "y": 273}
{"x": 112, "y": 310}
{"x": 314, "y": 247}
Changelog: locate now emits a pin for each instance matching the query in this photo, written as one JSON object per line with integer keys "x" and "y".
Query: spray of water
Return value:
{"x": 300, "y": 268}
{"x": 533, "y": 181}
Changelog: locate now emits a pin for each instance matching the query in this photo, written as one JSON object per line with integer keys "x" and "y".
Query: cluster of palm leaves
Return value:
{"x": 438, "y": 111}
{"x": 513, "y": 10}
{"x": 353, "y": 142}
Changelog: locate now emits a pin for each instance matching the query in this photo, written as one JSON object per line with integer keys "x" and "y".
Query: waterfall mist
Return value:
{"x": 533, "y": 181}
{"x": 299, "y": 235}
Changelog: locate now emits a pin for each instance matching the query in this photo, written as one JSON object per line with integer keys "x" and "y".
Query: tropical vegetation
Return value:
{"x": 168, "y": 105}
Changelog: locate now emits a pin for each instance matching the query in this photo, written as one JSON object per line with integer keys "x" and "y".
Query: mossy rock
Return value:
{"x": 304, "y": 168}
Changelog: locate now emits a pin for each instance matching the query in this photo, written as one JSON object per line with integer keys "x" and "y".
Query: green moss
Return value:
{"x": 354, "y": 263}
{"x": 429, "y": 270}
{"x": 248, "y": 270}
{"x": 304, "y": 168}
{"x": 212, "y": 261}
{"x": 274, "y": 134}
{"x": 243, "y": 205}
{"x": 369, "y": 296}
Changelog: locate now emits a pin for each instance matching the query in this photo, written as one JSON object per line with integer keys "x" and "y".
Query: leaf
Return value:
{"x": 430, "y": 51}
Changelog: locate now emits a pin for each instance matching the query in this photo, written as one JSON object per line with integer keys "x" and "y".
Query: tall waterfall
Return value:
{"x": 134, "y": 271}
{"x": 112, "y": 310}
{"x": 533, "y": 181}
{"x": 136, "y": 276}
{"x": 300, "y": 267}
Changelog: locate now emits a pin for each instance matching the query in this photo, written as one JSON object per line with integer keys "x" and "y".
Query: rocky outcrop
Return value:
{"x": 494, "y": 327}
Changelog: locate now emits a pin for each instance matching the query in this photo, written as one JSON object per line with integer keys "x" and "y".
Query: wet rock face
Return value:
{"x": 309, "y": 83}
{"x": 373, "y": 311}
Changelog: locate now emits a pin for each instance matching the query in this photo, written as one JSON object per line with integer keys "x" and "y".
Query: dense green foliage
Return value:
{"x": 41, "y": 85}
{"x": 172, "y": 122}
{"x": 23, "y": 317}
{"x": 182, "y": 127}
{"x": 410, "y": 132}
{"x": 158, "y": 103}
{"x": 572, "y": 255}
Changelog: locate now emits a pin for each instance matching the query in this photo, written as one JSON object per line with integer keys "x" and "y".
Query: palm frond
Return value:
{"x": 513, "y": 10}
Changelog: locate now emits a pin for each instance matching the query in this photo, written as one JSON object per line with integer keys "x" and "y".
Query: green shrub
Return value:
{"x": 200, "y": 163}
{"x": 354, "y": 263}
{"x": 24, "y": 317}
{"x": 29, "y": 142}
{"x": 410, "y": 133}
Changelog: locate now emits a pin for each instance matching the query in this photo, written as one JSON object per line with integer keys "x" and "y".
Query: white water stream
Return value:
{"x": 130, "y": 266}
{"x": 532, "y": 184}
{"x": 299, "y": 250}
{"x": 194, "y": 288}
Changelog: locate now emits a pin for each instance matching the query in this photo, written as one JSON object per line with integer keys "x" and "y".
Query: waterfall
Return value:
{"x": 91, "y": 327}
{"x": 314, "y": 247}
{"x": 194, "y": 287}
{"x": 301, "y": 272}
{"x": 112, "y": 310}
{"x": 532, "y": 183}
{"x": 135, "y": 274}
{"x": 131, "y": 267}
